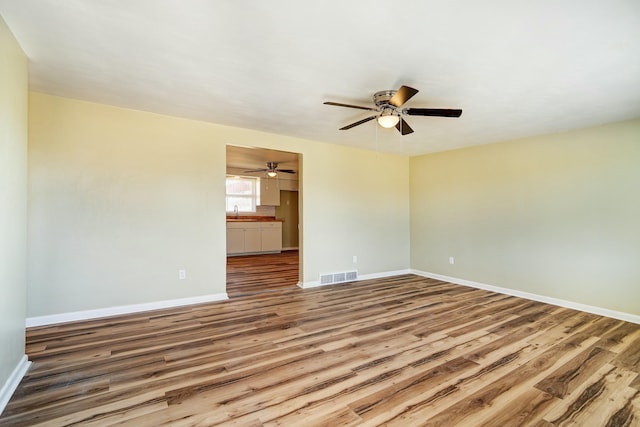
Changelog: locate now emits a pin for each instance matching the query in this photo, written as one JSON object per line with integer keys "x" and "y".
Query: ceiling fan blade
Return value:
{"x": 358, "y": 123}
{"x": 438, "y": 112}
{"x": 285, "y": 170}
{"x": 403, "y": 127}
{"x": 337, "y": 104}
{"x": 402, "y": 95}
{"x": 256, "y": 170}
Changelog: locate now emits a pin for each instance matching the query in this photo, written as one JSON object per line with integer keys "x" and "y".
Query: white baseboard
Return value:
{"x": 122, "y": 309}
{"x": 313, "y": 284}
{"x": 384, "y": 274}
{"x": 627, "y": 317}
{"x": 13, "y": 381}
{"x": 316, "y": 283}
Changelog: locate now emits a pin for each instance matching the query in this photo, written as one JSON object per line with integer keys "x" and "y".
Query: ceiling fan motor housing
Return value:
{"x": 381, "y": 99}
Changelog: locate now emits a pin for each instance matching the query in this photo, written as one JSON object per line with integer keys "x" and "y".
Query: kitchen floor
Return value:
{"x": 252, "y": 274}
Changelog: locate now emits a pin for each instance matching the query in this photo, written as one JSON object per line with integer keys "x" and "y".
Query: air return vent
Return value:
{"x": 344, "y": 276}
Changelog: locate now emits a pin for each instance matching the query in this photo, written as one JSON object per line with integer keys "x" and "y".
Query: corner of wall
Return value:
{"x": 13, "y": 218}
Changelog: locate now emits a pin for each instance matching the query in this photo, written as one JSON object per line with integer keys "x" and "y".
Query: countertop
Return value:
{"x": 253, "y": 219}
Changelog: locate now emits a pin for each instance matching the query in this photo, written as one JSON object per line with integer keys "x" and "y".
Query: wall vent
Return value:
{"x": 343, "y": 276}
{"x": 325, "y": 279}
{"x": 351, "y": 275}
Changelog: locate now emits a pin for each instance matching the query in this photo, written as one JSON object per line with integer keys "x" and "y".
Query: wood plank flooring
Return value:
{"x": 260, "y": 273}
{"x": 399, "y": 351}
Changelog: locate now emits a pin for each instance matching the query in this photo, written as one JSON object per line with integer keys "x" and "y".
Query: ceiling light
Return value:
{"x": 272, "y": 174}
{"x": 388, "y": 121}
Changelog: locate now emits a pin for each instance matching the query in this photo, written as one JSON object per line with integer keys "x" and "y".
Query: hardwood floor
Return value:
{"x": 260, "y": 273}
{"x": 400, "y": 351}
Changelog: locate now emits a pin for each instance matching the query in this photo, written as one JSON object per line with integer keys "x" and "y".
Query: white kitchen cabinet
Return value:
{"x": 252, "y": 240}
{"x": 271, "y": 233}
{"x": 244, "y": 237}
{"x": 269, "y": 192}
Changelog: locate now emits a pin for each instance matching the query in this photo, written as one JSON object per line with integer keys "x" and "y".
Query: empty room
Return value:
{"x": 316, "y": 214}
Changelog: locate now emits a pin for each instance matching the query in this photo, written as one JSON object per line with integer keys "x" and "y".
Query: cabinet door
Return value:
{"x": 235, "y": 240}
{"x": 272, "y": 237}
{"x": 269, "y": 192}
{"x": 252, "y": 240}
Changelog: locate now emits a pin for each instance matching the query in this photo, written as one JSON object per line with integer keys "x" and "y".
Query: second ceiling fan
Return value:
{"x": 272, "y": 170}
{"x": 389, "y": 114}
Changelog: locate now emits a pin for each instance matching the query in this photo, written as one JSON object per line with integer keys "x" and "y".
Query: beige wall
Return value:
{"x": 13, "y": 201}
{"x": 119, "y": 201}
{"x": 555, "y": 215}
{"x": 122, "y": 199}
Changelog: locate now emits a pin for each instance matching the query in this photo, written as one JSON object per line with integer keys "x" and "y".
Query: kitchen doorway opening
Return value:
{"x": 263, "y": 218}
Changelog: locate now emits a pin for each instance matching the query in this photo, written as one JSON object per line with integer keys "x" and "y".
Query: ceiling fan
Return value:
{"x": 389, "y": 114}
{"x": 272, "y": 170}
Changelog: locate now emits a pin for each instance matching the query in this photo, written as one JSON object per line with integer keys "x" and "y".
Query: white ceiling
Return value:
{"x": 516, "y": 67}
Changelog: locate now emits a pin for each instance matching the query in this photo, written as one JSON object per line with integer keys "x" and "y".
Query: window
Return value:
{"x": 243, "y": 192}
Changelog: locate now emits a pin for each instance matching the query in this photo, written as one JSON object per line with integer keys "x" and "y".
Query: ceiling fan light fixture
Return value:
{"x": 388, "y": 120}
{"x": 272, "y": 174}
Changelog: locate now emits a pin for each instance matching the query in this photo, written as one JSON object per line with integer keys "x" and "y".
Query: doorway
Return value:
{"x": 288, "y": 212}
{"x": 254, "y": 268}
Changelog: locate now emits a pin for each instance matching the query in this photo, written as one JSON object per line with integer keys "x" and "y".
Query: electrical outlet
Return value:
{"x": 182, "y": 274}
{"x": 451, "y": 260}
{"x": 355, "y": 259}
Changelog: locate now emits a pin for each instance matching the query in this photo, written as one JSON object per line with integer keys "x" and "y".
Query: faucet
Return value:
{"x": 235, "y": 210}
